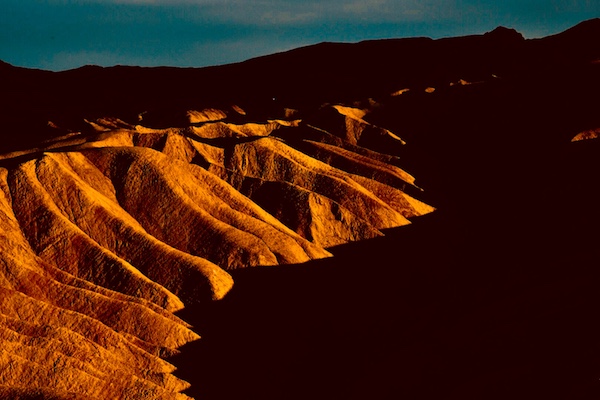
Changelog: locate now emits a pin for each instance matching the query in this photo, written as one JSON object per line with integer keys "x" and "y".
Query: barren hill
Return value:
{"x": 109, "y": 230}
{"x": 132, "y": 194}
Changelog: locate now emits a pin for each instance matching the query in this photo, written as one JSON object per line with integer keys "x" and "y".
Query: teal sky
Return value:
{"x": 64, "y": 34}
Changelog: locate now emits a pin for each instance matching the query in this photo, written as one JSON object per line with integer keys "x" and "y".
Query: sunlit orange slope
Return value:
{"x": 107, "y": 231}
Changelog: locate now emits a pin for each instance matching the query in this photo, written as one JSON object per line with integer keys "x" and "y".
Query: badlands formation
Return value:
{"x": 251, "y": 204}
{"x": 108, "y": 231}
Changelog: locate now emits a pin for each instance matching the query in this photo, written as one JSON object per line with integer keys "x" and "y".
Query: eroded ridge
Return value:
{"x": 107, "y": 232}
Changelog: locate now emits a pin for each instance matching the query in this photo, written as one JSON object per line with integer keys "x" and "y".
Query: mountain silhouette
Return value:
{"x": 404, "y": 218}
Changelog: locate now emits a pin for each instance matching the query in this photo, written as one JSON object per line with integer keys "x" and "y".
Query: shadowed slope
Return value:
{"x": 493, "y": 296}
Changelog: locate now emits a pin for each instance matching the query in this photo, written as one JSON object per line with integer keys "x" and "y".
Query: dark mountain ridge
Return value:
{"x": 301, "y": 78}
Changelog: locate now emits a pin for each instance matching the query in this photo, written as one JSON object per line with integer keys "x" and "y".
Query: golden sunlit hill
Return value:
{"x": 391, "y": 219}
{"x": 108, "y": 231}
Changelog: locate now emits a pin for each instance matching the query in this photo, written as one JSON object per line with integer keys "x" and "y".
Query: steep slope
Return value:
{"x": 64, "y": 334}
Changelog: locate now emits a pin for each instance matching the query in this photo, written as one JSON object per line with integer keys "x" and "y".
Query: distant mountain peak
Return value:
{"x": 505, "y": 33}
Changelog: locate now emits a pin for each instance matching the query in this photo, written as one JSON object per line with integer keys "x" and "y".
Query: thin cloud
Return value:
{"x": 287, "y": 17}
{"x": 290, "y": 11}
{"x": 361, "y": 7}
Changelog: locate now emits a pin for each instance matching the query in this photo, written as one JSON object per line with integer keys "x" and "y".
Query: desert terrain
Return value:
{"x": 407, "y": 218}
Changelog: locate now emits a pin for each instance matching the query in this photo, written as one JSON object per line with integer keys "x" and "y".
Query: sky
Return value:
{"x": 65, "y": 34}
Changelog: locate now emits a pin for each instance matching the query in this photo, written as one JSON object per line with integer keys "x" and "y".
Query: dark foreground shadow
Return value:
{"x": 430, "y": 311}
{"x": 493, "y": 296}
